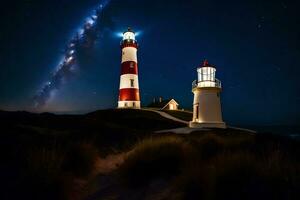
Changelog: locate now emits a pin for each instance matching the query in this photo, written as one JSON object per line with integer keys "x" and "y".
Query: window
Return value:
{"x": 207, "y": 74}
{"x": 132, "y": 82}
{"x": 125, "y": 104}
{"x": 131, "y": 65}
{"x": 133, "y": 104}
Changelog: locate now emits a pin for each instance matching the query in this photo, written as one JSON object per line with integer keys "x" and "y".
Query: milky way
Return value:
{"x": 85, "y": 38}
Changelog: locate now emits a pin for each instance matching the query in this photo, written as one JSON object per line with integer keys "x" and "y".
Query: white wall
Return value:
{"x": 209, "y": 105}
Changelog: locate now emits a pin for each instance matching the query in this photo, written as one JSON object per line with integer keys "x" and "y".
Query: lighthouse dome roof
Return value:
{"x": 206, "y": 64}
{"x": 129, "y": 30}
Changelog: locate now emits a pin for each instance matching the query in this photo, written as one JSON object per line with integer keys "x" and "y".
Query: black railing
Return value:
{"x": 202, "y": 84}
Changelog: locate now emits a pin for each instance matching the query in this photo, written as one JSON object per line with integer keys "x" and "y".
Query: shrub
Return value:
{"x": 239, "y": 175}
{"x": 80, "y": 160}
{"x": 42, "y": 173}
{"x": 210, "y": 144}
{"x": 152, "y": 158}
{"x": 51, "y": 170}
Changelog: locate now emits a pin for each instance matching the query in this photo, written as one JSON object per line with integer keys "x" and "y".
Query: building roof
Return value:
{"x": 161, "y": 104}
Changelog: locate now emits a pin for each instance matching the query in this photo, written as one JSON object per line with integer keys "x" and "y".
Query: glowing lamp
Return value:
{"x": 129, "y": 35}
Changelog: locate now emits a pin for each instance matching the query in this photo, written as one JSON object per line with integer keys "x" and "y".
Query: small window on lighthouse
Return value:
{"x": 132, "y": 82}
{"x": 131, "y": 65}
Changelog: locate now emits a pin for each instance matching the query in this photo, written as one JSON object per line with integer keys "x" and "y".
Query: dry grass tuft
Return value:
{"x": 154, "y": 158}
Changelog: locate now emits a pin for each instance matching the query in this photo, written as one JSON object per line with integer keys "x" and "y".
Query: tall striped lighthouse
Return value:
{"x": 129, "y": 95}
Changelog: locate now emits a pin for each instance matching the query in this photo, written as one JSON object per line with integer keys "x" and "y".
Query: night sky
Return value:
{"x": 255, "y": 46}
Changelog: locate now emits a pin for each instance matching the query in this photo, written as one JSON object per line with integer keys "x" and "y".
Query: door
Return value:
{"x": 196, "y": 110}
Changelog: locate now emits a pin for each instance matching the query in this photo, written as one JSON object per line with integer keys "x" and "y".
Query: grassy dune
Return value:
{"x": 214, "y": 166}
{"x": 115, "y": 154}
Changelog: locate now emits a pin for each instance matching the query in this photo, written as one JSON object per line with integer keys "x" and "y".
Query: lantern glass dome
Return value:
{"x": 128, "y": 35}
{"x": 206, "y": 74}
{"x": 206, "y": 77}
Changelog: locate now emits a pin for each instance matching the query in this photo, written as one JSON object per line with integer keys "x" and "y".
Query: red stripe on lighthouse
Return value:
{"x": 129, "y": 67}
{"x": 129, "y": 94}
{"x": 129, "y": 44}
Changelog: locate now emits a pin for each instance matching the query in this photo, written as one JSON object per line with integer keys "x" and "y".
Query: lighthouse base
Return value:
{"x": 129, "y": 104}
{"x": 207, "y": 125}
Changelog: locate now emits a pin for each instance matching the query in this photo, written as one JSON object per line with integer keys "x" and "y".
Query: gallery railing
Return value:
{"x": 202, "y": 84}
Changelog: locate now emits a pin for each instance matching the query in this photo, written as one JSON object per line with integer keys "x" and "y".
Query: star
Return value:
{"x": 259, "y": 26}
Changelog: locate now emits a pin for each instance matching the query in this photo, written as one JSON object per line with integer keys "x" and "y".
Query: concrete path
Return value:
{"x": 187, "y": 130}
{"x": 183, "y": 130}
{"x": 166, "y": 115}
{"x": 242, "y": 129}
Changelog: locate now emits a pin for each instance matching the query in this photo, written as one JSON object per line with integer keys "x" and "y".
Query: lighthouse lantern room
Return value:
{"x": 207, "y": 105}
{"x": 129, "y": 96}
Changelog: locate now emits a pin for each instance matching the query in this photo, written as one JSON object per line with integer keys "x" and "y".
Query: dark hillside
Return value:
{"x": 183, "y": 115}
{"x": 48, "y": 156}
{"x": 34, "y": 147}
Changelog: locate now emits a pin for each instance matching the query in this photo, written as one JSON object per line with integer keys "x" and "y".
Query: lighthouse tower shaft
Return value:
{"x": 129, "y": 95}
{"x": 207, "y": 111}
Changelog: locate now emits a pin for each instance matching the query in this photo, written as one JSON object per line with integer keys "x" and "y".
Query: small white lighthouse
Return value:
{"x": 207, "y": 111}
{"x": 129, "y": 95}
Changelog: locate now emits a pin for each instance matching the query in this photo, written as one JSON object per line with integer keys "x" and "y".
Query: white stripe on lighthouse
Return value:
{"x": 129, "y": 54}
{"x": 129, "y": 81}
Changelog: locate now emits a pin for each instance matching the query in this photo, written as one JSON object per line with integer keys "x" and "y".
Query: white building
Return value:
{"x": 207, "y": 111}
{"x": 164, "y": 104}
